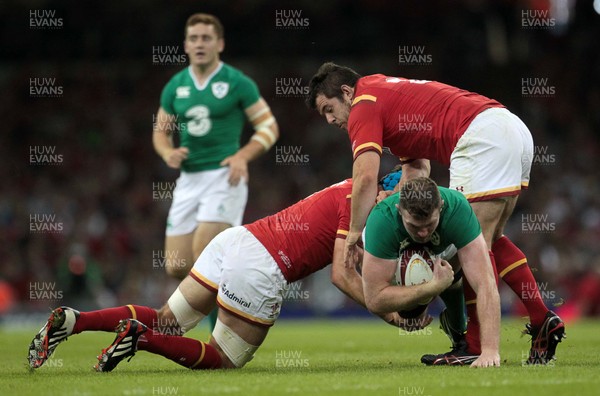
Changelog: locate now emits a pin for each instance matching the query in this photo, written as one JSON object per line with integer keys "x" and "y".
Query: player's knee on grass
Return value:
{"x": 234, "y": 351}
{"x": 187, "y": 317}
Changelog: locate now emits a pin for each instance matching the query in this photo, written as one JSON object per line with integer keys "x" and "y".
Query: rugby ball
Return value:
{"x": 414, "y": 268}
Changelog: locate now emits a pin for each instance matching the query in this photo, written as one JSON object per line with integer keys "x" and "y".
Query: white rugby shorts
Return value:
{"x": 493, "y": 157}
{"x": 205, "y": 196}
{"x": 246, "y": 278}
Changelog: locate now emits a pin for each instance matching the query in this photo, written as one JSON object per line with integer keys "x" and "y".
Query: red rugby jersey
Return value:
{"x": 301, "y": 237}
{"x": 412, "y": 118}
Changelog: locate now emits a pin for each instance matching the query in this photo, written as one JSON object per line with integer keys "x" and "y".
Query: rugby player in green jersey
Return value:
{"x": 207, "y": 104}
{"x": 442, "y": 220}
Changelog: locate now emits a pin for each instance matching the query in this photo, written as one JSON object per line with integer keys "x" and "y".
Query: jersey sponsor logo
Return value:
{"x": 231, "y": 295}
{"x": 220, "y": 89}
{"x": 182, "y": 92}
{"x": 199, "y": 123}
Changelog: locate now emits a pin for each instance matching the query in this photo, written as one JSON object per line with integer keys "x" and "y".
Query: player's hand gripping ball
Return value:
{"x": 414, "y": 268}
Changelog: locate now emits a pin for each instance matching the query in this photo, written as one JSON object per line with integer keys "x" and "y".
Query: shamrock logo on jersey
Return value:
{"x": 220, "y": 89}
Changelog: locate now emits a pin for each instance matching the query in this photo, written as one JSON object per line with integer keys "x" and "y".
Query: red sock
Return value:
{"x": 187, "y": 352}
{"x": 472, "y": 335}
{"x": 107, "y": 319}
{"x": 513, "y": 269}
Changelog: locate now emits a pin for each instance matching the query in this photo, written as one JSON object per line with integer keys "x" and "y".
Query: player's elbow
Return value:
{"x": 375, "y": 304}
{"x": 275, "y": 130}
{"x": 365, "y": 178}
{"x": 339, "y": 278}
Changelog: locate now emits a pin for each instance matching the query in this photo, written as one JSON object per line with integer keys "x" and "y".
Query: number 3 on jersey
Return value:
{"x": 199, "y": 123}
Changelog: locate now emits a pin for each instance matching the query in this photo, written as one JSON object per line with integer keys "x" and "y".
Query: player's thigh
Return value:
{"x": 179, "y": 255}
{"x": 489, "y": 214}
{"x": 189, "y": 303}
{"x": 222, "y": 202}
{"x": 198, "y": 296}
{"x": 184, "y": 209}
{"x": 205, "y": 232}
{"x": 186, "y": 307}
{"x": 511, "y": 202}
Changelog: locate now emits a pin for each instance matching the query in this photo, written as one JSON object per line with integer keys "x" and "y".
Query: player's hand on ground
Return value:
{"x": 487, "y": 359}
{"x": 238, "y": 168}
{"x": 352, "y": 252}
{"x": 442, "y": 274}
{"x": 175, "y": 157}
{"x": 383, "y": 195}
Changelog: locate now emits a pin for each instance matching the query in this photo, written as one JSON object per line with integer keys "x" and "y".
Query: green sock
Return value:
{"x": 454, "y": 299}
{"x": 212, "y": 319}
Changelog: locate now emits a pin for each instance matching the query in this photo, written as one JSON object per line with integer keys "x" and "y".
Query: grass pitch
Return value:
{"x": 312, "y": 358}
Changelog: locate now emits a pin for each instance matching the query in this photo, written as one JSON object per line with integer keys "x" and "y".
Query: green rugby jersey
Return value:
{"x": 211, "y": 117}
{"x": 385, "y": 234}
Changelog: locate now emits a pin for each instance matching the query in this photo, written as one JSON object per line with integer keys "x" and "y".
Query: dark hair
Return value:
{"x": 420, "y": 197}
{"x": 328, "y": 81}
{"x": 206, "y": 19}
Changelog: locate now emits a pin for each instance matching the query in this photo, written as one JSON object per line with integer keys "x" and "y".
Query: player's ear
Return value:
{"x": 347, "y": 91}
{"x": 221, "y": 44}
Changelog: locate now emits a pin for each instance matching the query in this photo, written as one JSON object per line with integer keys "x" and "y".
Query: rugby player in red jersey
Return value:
{"x": 489, "y": 152}
{"x": 243, "y": 271}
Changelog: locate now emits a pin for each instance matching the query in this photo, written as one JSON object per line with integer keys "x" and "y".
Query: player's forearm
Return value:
{"x": 488, "y": 311}
{"x": 162, "y": 142}
{"x": 251, "y": 151}
{"x": 364, "y": 193}
{"x": 350, "y": 283}
{"x": 398, "y": 298}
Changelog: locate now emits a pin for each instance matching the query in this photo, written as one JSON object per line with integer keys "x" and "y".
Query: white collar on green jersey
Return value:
{"x": 201, "y": 87}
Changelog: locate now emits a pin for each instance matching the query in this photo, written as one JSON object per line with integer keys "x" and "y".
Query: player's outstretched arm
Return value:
{"x": 478, "y": 270}
{"x": 265, "y": 135}
{"x": 364, "y": 192}
{"x": 163, "y": 141}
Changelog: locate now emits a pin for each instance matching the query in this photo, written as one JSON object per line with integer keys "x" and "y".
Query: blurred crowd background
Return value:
{"x": 104, "y": 225}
